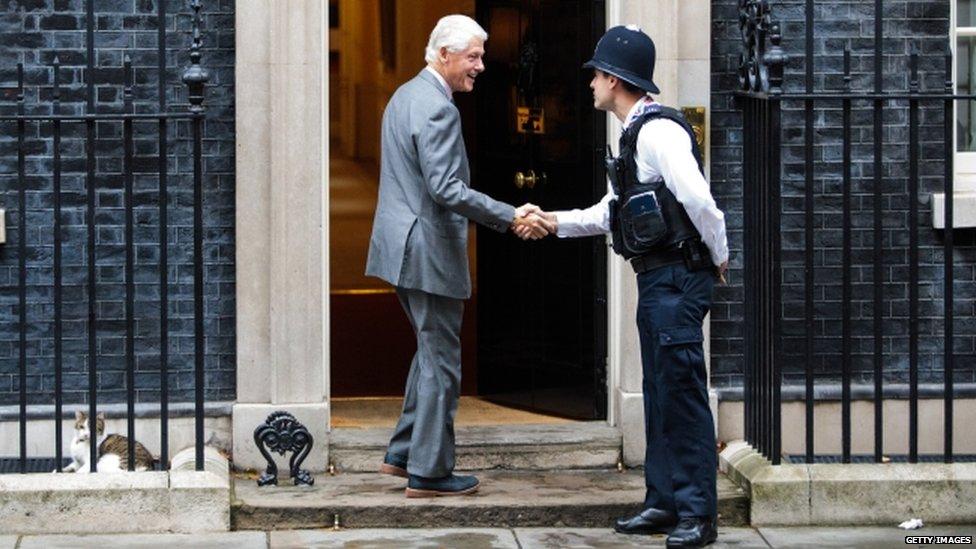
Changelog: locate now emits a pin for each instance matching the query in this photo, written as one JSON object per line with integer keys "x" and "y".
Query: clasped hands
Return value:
{"x": 531, "y": 223}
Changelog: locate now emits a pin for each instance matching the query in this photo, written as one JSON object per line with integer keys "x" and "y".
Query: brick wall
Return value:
{"x": 839, "y": 24}
{"x": 34, "y": 32}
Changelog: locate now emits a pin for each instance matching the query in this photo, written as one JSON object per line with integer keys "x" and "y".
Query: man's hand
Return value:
{"x": 533, "y": 223}
{"x": 721, "y": 270}
{"x": 532, "y": 227}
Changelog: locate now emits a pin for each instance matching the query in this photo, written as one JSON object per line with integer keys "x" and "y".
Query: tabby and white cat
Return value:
{"x": 113, "y": 450}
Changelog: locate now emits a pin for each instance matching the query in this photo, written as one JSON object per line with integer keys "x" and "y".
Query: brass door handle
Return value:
{"x": 529, "y": 179}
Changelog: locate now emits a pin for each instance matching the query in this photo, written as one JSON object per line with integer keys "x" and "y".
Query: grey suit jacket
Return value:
{"x": 420, "y": 230}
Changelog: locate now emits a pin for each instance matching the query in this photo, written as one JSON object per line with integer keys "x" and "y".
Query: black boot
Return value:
{"x": 693, "y": 532}
{"x": 647, "y": 522}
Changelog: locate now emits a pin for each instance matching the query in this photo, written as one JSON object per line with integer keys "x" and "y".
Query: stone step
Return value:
{"x": 574, "y": 499}
{"x": 577, "y": 445}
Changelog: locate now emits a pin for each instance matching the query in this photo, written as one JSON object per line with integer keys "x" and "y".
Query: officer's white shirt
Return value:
{"x": 663, "y": 151}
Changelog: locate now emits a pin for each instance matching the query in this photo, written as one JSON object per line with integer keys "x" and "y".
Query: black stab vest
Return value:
{"x": 638, "y": 231}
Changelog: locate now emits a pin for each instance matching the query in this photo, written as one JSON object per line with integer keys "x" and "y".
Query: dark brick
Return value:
{"x": 840, "y": 25}
{"x": 36, "y": 31}
{"x": 59, "y": 22}
{"x": 28, "y": 5}
{"x": 69, "y": 5}
{"x": 25, "y": 40}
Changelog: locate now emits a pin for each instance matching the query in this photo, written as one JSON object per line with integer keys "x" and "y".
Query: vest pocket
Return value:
{"x": 643, "y": 222}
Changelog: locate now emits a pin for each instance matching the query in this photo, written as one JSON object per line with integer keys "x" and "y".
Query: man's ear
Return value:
{"x": 442, "y": 54}
{"x": 612, "y": 81}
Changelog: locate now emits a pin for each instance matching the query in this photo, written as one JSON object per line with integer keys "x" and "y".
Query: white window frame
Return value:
{"x": 964, "y": 162}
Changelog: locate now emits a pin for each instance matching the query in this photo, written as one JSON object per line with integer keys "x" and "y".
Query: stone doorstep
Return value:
{"x": 826, "y": 494}
{"x": 581, "y": 498}
{"x": 179, "y": 500}
{"x": 580, "y": 445}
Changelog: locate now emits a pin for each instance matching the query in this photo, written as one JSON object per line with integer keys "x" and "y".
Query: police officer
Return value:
{"x": 663, "y": 219}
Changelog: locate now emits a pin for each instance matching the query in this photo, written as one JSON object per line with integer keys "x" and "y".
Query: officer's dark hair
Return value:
{"x": 630, "y": 87}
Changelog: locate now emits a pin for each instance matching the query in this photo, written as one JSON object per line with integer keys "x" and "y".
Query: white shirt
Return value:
{"x": 663, "y": 151}
{"x": 447, "y": 89}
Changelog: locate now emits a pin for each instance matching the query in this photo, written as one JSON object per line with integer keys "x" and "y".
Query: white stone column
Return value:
{"x": 282, "y": 222}
{"x": 681, "y": 30}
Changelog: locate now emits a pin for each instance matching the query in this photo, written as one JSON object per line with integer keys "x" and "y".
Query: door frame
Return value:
{"x": 623, "y": 353}
{"x": 683, "y": 72}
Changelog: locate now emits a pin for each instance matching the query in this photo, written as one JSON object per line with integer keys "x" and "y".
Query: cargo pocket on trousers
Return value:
{"x": 681, "y": 349}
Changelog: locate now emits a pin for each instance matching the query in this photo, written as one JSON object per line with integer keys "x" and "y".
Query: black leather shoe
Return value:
{"x": 451, "y": 485}
{"x": 693, "y": 532}
{"x": 647, "y": 522}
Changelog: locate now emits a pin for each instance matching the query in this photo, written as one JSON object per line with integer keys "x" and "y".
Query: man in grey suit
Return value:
{"x": 419, "y": 245}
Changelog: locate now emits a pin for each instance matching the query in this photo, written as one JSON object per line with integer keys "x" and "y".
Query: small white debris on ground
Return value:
{"x": 911, "y": 524}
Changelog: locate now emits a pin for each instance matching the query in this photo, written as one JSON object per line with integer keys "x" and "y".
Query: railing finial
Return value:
{"x": 196, "y": 77}
{"x": 775, "y": 60}
{"x": 913, "y": 69}
{"x": 949, "y": 85}
{"x": 20, "y": 83}
{"x": 847, "y": 68}
{"x": 760, "y": 66}
{"x": 56, "y": 91}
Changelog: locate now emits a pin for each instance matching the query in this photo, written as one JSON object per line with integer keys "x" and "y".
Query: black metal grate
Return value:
{"x": 760, "y": 98}
{"x": 34, "y": 465}
{"x": 195, "y": 77}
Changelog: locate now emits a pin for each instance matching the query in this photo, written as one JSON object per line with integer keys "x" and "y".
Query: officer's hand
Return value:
{"x": 721, "y": 272}
{"x": 532, "y": 226}
{"x": 526, "y": 209}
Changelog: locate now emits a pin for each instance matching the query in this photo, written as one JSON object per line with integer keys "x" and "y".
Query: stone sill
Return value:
{"x": 963, "y": 210}
{"x": 118, "y": 410}
{"x": 851, "y": 494}
{"x": 180, "y": 500}
{"x": 832, "y": 392}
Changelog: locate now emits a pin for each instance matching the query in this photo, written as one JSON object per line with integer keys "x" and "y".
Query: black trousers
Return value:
{"x": 681, "y": 460}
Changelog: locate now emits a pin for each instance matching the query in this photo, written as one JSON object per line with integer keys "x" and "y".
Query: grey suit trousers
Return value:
{"x": 424, "y": 435}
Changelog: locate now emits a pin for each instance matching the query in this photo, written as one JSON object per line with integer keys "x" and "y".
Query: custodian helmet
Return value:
{"x": 627, "y": 53}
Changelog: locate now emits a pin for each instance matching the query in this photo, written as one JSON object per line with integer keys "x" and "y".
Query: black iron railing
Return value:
{"x": 195, "y": 78}
{"x": 761, "y": 98}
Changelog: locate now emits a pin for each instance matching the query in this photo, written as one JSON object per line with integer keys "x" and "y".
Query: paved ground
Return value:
{"x": 474, "y": 538}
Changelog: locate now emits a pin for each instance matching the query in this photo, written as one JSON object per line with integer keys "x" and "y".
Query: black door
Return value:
{"x": 542, "y": 304}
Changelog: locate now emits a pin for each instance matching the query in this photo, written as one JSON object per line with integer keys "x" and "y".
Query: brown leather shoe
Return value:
{"x": 394, "y": 465}
{"x": 390, "y": 469}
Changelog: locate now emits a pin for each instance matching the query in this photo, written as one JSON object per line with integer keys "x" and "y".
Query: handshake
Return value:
{"x": 531, "y": 223}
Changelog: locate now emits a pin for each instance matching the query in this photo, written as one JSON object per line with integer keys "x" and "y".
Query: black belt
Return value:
{"x": 649, "y": 262}
{"x": 669, "y": 256}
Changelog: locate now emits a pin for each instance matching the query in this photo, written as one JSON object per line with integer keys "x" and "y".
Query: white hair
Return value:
{"x": 455, "y": 33}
